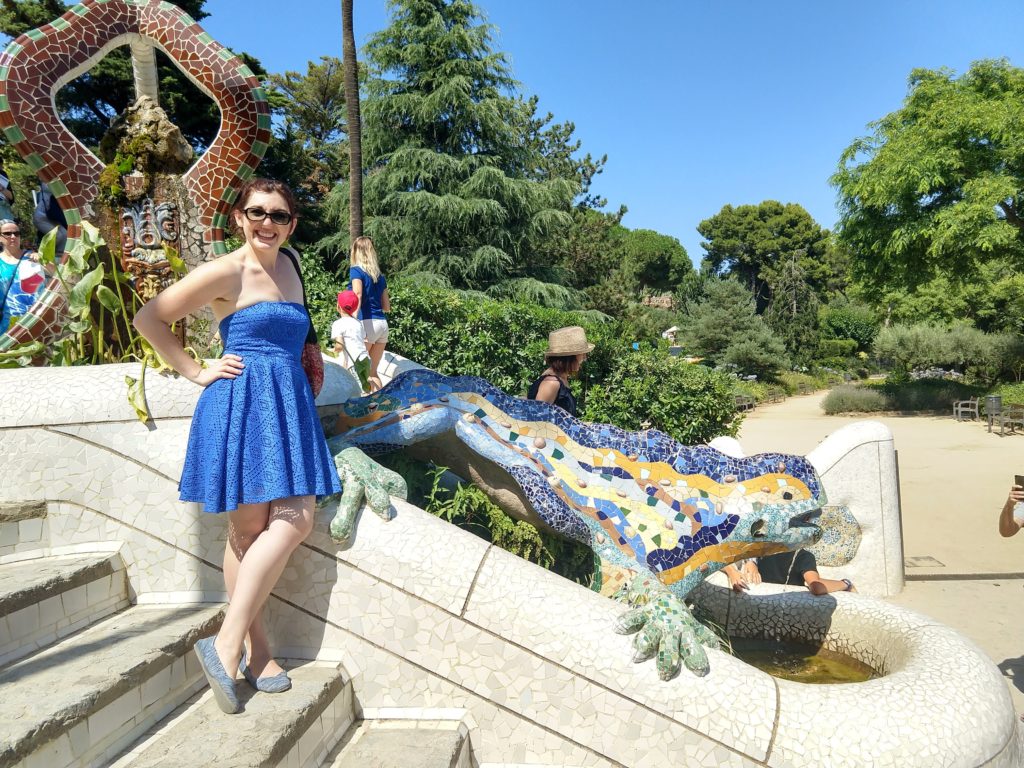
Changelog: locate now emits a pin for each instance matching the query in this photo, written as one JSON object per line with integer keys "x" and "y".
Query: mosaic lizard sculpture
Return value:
{"x": 669, "y": 513}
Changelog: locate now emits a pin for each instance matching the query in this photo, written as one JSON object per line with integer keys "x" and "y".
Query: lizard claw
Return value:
{"x": 665, "y": 628}
{"x": 362, "y": 478}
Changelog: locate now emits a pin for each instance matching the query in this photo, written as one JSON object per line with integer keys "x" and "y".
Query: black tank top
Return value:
{"x": 563, "y": 399}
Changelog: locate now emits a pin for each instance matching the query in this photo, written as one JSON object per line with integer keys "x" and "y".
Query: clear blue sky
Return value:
{"x": 697, "y": 104}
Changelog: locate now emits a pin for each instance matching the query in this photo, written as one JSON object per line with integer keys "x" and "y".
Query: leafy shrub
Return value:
{"x": 791, "y": 381}
{"x": 467, "y": 507}
{"x": 842, "y": 319}
{"x": 1011, "y": 393}
{"x": 836, "y": 348}
{"x": 923, "y": 395}
{"x": 755, "y": 389}
{"x": 498, "y": 341}
{"x": 691, "y": 403}
{"x": 854, "y": 399}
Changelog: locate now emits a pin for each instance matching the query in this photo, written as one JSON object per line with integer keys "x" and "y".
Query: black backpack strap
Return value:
{"x": 311, "y": 337}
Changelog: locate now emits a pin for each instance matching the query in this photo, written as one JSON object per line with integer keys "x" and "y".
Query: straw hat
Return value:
{"x": 568, "y": 341}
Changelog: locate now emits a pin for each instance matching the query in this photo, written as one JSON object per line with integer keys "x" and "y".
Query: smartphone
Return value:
{"x": 1018, "y": 480}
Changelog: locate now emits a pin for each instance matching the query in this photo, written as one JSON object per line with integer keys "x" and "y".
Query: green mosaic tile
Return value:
{"x": 60, "y": 23}
{"x": 651, "y": 501}
{"x": 14, "y": 49}
{"x": 220, "y": 247}
{"x": 246, "y": 171}
{"x": 205, "y": 38}
{"x": 480, "y": 413}
{"x": 14, "y": 134}
{"x": 263, "y": 121}
{"x": 4, "y": 70}
{"x": 80, "y": 10}
{"x": 513, "y": 436}
{"x": 187, "y": 19}
{"x": 58, "y": 188}
{"x": 165, "y": 6}
{"x": 244, "y": 71}
{"x": 230, "y": 195}
{"x": 73, "y": 216}
{"x": 225, "y": 54}
{"x": 220, "y": 220}
{"x": 35, "y": 162}
{"x": 557, "y": 454}
{"x": 259, "y": 94}
{"x": 656, "y": 539}
{"x": 4, "y": 105}
{"x": 35, "y": 34}
{"x": 259, "y": 148}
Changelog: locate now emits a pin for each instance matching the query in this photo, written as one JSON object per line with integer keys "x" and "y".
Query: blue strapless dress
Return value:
{"x": 258, "y": 437}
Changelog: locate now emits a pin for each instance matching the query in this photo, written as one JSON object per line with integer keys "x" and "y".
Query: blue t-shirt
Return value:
{"x": 370, "y": 307}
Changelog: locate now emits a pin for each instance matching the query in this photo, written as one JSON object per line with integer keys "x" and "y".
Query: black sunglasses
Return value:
{"x": 276, "y": 217}
{"x": 9, "y": 234}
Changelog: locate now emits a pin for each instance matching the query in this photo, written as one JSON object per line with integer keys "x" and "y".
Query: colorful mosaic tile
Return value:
{"x": 36, "y": 64}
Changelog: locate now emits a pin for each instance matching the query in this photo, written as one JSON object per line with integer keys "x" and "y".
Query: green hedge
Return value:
{"x": 650, "y": 388}
{"x": 853, "y": 399}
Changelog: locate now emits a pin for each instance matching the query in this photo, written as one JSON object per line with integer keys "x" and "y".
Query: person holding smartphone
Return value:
{"x": 1011, "y": 519}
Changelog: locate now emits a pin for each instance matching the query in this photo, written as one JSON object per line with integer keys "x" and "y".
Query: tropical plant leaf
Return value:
{"x": 81, "y": 294}
{"x": 178, "y": 265}
{"x": 137, "y": 395}
{"x": 109, "y": 299}
{"x": 48, "y": 247}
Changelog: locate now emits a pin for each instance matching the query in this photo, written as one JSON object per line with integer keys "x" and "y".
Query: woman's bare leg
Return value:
{"x": 376, "y": 353}
{"x": 245, "y": 524}
{"x": 253, "y": 575}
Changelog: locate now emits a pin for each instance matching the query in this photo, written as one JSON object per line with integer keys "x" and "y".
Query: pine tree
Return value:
{"x": 450, "y": 191}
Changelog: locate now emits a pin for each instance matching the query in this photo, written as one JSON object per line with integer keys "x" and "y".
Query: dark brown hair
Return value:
{"x": 564, "y": 364}
{"x": 267, "y": 186}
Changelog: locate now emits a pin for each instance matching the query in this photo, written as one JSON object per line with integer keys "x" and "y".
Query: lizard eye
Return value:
{"x": 757, "y": 529}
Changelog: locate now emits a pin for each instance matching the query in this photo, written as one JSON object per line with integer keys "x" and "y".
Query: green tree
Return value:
{"x": 725, "y": 320}
{"x": 87, "y": 103}
{"x": 653, "y": 261}
{"x": 751, "y": 242}
{"x": 938, "y": 186}
{"x": 448, "y": 190}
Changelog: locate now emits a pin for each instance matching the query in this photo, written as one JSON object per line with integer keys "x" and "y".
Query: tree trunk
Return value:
{"x": 355, "y": 133}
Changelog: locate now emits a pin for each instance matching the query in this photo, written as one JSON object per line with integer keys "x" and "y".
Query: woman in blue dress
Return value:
{"x": 256, "y": 449}
{"x": 369, "y": 284}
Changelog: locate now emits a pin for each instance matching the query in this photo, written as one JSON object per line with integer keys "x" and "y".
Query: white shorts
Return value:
{"x": 376, "y": 331}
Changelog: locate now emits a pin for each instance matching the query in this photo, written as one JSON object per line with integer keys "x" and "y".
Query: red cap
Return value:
{"x": 347, "y": 302}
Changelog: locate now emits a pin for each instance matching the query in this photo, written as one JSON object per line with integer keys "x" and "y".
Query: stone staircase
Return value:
{"x": 90, "y": 676}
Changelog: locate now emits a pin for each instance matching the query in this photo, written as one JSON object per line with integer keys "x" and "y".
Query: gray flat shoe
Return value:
{"x": 278, "y": 683}
{"x": 223, "y": 687}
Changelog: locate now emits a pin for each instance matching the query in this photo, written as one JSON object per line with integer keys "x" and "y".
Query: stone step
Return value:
{"x": 22, "y": 526}
{"x": 89, "y": 695}
{"x": 47, "y": 598}
{"x": 403, "y": 744}
{"x": 291, "y": 729}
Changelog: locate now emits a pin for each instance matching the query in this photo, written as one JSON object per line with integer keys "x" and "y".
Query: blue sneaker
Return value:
{"x": 221, "y": 684}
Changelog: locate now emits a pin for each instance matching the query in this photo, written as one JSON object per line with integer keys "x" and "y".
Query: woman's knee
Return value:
{"x": 245, "y": 525}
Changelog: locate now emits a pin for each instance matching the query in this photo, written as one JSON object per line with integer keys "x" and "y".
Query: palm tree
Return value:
{"x": 355, "y": 138}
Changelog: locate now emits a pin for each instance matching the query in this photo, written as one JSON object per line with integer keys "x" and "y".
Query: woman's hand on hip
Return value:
{"x": 226, "y": 367}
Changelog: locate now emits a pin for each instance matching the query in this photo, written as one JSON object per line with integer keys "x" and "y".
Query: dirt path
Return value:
{"x": 954, "y": 477}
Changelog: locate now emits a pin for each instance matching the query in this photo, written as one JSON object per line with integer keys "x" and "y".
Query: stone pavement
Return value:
{"x": 954, "y": 477}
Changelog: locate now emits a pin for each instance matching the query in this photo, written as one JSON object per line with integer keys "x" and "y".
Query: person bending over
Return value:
{"x": 798, "y": 568}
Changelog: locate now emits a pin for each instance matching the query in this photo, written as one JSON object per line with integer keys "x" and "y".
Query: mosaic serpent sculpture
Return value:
{"x": 36, "y": 65}
{"x": 670, "y": 514}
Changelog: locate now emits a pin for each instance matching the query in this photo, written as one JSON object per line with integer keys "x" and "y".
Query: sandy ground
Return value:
{"x": 954, "y": 477}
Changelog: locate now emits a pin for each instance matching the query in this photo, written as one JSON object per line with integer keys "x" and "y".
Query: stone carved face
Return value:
{"x": 145, "y": 229}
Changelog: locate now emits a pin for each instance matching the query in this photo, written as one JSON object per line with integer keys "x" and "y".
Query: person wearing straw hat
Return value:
{"x": 567, "y": 349}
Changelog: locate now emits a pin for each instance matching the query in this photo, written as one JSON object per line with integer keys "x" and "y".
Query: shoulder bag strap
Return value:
{"x": 311, "y": 337}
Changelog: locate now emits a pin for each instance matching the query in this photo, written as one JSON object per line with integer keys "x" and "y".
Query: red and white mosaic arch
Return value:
{"x": 37, "y": 64}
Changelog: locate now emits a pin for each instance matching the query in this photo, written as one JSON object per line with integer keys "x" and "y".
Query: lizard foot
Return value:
{"x": 362, "y": 478}
{"x": 665, "y": 627}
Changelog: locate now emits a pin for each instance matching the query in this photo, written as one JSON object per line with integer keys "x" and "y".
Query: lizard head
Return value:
{"x": 771, "y": 528}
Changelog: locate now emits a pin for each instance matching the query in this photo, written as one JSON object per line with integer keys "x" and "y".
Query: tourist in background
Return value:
{"x": 256, "y": 449}
{"x": 1011, "y": 518}
{"x": 350, "y": 341}
{"x": 6, "y": 196}
{"x": 21, "y": 276}
{"x": 48, "y": 215}
{"x": 567, "y": 350}
{"x": 368, "y": 283}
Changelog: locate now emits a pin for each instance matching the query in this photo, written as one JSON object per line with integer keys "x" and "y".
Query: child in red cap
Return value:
{"x": 350, "y": 341}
